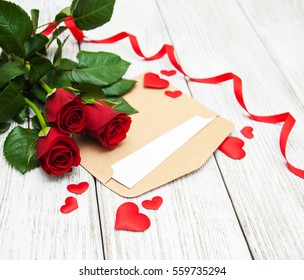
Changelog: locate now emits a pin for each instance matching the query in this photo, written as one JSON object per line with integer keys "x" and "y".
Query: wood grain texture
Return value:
{"x": 216, "y": 37}
{"x": 212, "y": 213}
{"x": 282, "y": 35}
{"x": 31, "y": 225}
{"x": 197, "y": 220}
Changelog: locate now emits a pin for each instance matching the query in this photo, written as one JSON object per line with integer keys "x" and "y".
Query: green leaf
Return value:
{"x": 90, "y": 14}
{"x": 89, "y": 91}
{"x": 3, "y": 58}
{"x": 20, "y": 148}
{"x": 63, "y": 14}
{"x": 58, "y": 54}
{"x": 11, "y": 101}
{"x": 9, "y": 71}
{"x": 15, "y": 27}
{"x": 61, "y": 76}
{"x": 67, "y": 64}
{"x": 35, "y": 18}
{"x": 22, "y": 116}
{"x": 4, "y": 126}
{"x": 39, "y": 93}
{"x": 58, "y": 79}
{"x": 36, "y": 123}
{"x": 119, "y": 88}
{"x": 123, "y": 105}
{"x": 39, "y": 67}
{"x": 55, "y": 34}
{"x": 35, "y": 44}
{"x": 99, "y": 68}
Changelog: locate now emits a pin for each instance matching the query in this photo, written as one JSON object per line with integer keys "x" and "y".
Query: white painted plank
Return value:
{"x": 196, "y": 220}
{"x": 279, "y": 25}
{"x": 216, "y": 37}
{"x": 31, "y": 225}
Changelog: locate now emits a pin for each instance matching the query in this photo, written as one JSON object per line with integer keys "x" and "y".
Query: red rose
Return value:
{"x": 66, "y": 110}
{"x": 106, "y": 125}
{"x": 57, "y": 152}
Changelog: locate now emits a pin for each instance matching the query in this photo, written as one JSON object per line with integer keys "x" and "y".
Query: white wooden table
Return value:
{"x": 228, "y": 209}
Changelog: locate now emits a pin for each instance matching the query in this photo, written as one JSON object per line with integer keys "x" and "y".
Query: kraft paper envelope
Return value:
{"x": 158, "y": 114}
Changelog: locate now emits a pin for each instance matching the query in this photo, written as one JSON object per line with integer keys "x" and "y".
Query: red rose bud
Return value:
{"x": 66, "y": 110}
{"x": 106, "y": 125}
{"x": 57, "y": 152}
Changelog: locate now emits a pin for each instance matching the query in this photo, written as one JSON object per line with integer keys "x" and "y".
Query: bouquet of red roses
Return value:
{"x": 76, "y": 97}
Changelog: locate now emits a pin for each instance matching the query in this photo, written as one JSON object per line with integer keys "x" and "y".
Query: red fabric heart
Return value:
{"x": 152, "y": 80}
{"x": 233, "y": 147}
{"x": 173, "y": 94}
{"x": 153, "y": 204}
{"x": 129, "y": 218}
{"x": 69, "y": 206}
{"x": 168, "y": 72}
{"x": 247, "y": 132}
{"x": 78, "y": 188}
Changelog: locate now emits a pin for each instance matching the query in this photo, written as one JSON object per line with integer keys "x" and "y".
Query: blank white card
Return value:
{"x": 133, "y": 168}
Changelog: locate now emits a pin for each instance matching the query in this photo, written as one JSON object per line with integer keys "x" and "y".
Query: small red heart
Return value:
{"x": 69, "y": 206}
{"x": 168, "y": 72}
{"x": 129, "y": 218}
{"x": 233, "y": 147}
{"x": 78, "y": 188}
{"x": 153, "y": 204}
{"x": 152, "y": 80}
{"x": 247, "y": 132}
{"x": 173, "y": 94}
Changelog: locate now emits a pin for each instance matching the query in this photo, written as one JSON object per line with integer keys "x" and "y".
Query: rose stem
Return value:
{"x": 37, "y": 112}
{"x": 45, "y": 87}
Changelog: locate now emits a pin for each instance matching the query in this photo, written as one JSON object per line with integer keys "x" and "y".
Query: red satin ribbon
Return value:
{"x": 50, "y": 28}
{"x": 286, "y": 118}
